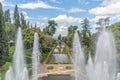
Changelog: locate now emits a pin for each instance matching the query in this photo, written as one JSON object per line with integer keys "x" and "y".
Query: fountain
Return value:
{"x": 79, "y": 60}
{"x": 105, "y": 58}
{"x": 18, "y": 70}
{"x": 104, "y": 66}
{"x": 35, "y": 58}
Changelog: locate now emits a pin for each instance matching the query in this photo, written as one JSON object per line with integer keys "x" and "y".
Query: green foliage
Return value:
{"x": 29, "y": 67}
{"x": 85, "y": 24}
{"x": 69, "y": 38}
{"x": 68, "y": 67}
{"x": 43, "y": 57}
{"x": 59, "y": 37}
{"x": 2, "y": 74}
{"x": 23, "y": 21}
{"x": 46, "y": 42}
{"x": 116, "y": 30}
{"x": 6, "y": 65}
{"x": 10, "y": 29}
{"x": 16, "y": 17}
{"x": 85, "y": 37}
{"x": 102, "y": 22}
{"x": 72, "y": 29}
{"x": 11, "y": 51}
{"x": 7, "y": 16}
{"x": 50, "y": 67}
{"x": 28, "y": 36}
{"x": 51, "y": 28}
{"x": 3, "y": 39}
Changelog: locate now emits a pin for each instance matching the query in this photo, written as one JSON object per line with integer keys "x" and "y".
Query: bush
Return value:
{"x": 11, "y": 51}
{"x": 50, "y": 67}
{"x": 6, "y": 65}
{"x": 2, "y": 74}
{"x": 68, "y": 67}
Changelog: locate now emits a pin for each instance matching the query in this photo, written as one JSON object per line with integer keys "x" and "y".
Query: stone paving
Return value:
{"x": 64, "y": 69}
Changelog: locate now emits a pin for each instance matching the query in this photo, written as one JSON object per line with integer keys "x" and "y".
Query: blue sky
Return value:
{"x": 65, "y": 12}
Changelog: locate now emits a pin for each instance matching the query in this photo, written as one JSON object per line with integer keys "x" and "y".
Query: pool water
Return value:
{"x": 60, "y": 58}
{"x": 57, "y": 77}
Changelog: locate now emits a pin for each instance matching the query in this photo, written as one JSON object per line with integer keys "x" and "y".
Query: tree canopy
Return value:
{"x": 51, "y": 28}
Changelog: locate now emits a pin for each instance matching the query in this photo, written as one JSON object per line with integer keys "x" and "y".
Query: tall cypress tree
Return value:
{"x": 23, "y": 21}
{"x": 3, "y": 39}
{"x": 28, "y": 24}
{"x": 16, "y": 17}
{"x": 7, "y": 16}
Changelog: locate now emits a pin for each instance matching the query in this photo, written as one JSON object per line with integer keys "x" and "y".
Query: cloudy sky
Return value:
{"x": 65, "y": 12}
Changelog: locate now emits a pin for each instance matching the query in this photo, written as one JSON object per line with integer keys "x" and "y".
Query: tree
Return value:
{"x": 60, "y": 37}
{"x": 7, "y": 16}
{"x": 85, "y": 36}
{"x": 102, "y": 22}
{"x": 28, "y": 24}
{"x": 3, "y": 39}
{"x": 46, "y": 42}
{"x": 72, "y": 29}
{"x": 69, "y": 38}
{"x": 16, "y": 17}
{"x": 115, "y": 28}
{"x": 35, "y": 25}
{"x": 23, "y": 21}
{"x": 106, "y": 20}
{"x": 51, "y": 28}
{"x": 31, "y": 26}
{"x": 10, "y": 29}
{"x": 85, "y": 33}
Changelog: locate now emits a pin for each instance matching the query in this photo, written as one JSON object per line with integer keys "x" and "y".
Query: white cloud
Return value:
{"x": 35, "y": 5}
{"x": 9, "y": 4}
{"x": 116, "y": 17}
{"x": 108, "y": 8}
{"x": 96, "y": 18}
{"x": 40, "y": 24}
{"x": 64, "y": 22}
{"x": 2, "y": 0}
{"x": 75, "y": 10}
{"x": 42, "y": 18}
{"x": 64, "y": 19}
{"x": 109, "y": 2}
{"x": 26, "y": 15}
{"x": 56, "y": 1}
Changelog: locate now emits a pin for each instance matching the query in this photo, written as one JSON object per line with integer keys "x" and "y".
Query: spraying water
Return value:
{"x": 19, "y": 66}
{"x": 79, "y": 59}
{"x": 104, "y": 66}
{"x": 9, "y": 74}
{"x": 105, "y": 57}
{"x": 90, "y": 69}
{"x": 35, "y": 57}
{"x": 118, "y": 76}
